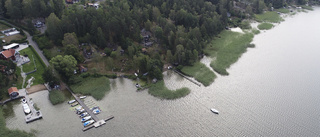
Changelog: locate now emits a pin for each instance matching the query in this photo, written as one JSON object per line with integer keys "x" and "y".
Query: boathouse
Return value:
{"x": 9, "y": 54}
{"x": 13, "y": 92}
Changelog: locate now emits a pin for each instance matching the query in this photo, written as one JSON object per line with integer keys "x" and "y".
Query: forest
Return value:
{"x": 148, "y": 33}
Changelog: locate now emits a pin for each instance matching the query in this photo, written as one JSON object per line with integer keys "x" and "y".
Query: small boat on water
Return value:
{"x": 84, "y": 114}
{"x": 26, "y": 108}
{"x": 82, "y": 97}
{"x": 80, "y": 111}
{"x": 74, "y": 104}
{"x": 214, "y": 111}
{"x": 96, "y": 111}
{"x": 23, "y": 100}
{"x": 85, "y": 119}
{"x": 93, "y": 108}
{"x": 78, "y": 108}
{"x": 71, "y": 101}
{"x": 88, "y": 123}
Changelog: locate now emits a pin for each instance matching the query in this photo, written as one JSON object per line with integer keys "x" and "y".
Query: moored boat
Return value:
{"x": 78, "y": 108}
{"x": 84, "y": 114}
{"x": 26, "y": 108}
{"x": 214, "y": 111}
{"x": 88, "y": 123}
{"x": 71, "y": 101}
{"x": 74, "y": 104}
{"x": 80, "y": 111}
{"x": 96, "y": 111}
{"x": 85, "y": 119}
{"x": 82, "y": 97}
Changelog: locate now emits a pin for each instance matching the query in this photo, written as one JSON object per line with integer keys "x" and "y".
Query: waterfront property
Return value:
{"x": 13, "y": 92}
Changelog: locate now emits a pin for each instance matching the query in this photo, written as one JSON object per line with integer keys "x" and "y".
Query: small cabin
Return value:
{"x": 13, "y": 92}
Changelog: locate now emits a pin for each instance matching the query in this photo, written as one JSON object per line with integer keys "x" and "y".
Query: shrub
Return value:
{"x": 56, "y": 97}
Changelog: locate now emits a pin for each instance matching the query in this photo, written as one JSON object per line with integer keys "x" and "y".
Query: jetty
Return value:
{"x": 97, "y": 122}
{"x": 191, "y": 80}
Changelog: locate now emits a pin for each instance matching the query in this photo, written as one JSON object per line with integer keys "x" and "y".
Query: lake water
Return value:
{"x": 273, "y": 90}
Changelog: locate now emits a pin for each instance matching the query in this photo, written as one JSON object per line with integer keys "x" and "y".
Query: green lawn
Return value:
{"x": 161, "y": 91}
{"x": 5, "y": 132}
{"x": 265, "y": 26}
{"x": 269, "y": 16}
{"x": 226, "y": 49}
{"x": 200, "y": 72}
{"x": 30, "y": 66}
{"x": 96, "y": 87}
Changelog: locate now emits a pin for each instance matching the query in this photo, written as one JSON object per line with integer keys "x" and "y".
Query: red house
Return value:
{"x": 13, "y": 92}
{"x": 9, "y": 54}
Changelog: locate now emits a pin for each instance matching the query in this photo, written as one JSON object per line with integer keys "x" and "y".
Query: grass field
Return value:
{"x": 8, "y": 39}
{"x": 56, "y": 97}
{"x": 161, "y": 91}
{"x": 270, "y": 16}
{"x": 5, "y": 132}
{"x": 227, "y": 48}
{"x": 30, "y": 66}
{"x": 96, "y": 87}
{"x": 200, "y": 72}
{"x": 265, "y": 26}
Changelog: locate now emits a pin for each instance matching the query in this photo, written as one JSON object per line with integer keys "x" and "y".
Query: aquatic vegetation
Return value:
{"x": 200, "y": 72}
{"x": 161, "y": 91}
{"x": 96, "y": 87}
{"x": 265, "y": 26}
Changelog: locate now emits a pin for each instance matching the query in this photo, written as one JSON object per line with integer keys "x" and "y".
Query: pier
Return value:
{"x": 97, "y": 122}
{"x": 191, "y": 80}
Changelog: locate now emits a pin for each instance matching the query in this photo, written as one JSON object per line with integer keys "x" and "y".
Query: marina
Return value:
{"x": 83, "y": 108}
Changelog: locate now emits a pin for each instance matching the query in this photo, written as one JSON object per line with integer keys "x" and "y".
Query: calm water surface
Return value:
{"x": 273, "y": 90}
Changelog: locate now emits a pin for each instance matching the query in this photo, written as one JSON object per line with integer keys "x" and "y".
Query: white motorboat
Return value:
{"x": 214, "y": 111}
{"x": 78, "y": 108}
{"x": 26, "y": 108}
{"x": 84, "y": 114}
{"x": 80, "y": 111}
{"x": 71, "y": 101}
{"x": 88, "y": 123}
{"x": 82, "y": 97}
{"x": 85, "y": 119}
{"x": 96, "y": 111}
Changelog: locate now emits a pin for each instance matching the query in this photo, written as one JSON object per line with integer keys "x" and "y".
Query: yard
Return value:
{"x": 34, "y": 59}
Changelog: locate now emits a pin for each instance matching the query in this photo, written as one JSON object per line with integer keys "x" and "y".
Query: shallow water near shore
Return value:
{"x": 273, "y": 90}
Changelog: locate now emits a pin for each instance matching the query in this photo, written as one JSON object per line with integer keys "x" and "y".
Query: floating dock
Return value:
{"x": 98, "y": 123}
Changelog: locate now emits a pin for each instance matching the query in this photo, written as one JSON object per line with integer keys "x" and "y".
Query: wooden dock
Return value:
{"x": 191, "y": 80}
{"x": 98, "y": 123}
{"x": 35, "y": 114}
